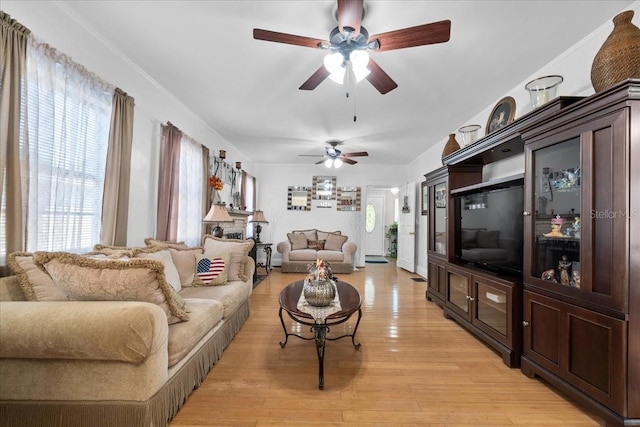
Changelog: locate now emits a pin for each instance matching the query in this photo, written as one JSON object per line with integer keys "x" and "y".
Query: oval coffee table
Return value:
{"x": 350, "y": 302}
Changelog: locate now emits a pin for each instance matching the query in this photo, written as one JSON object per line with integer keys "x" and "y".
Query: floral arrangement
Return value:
{"x": 215, "y": 183}
{"x": 319, "y": 271}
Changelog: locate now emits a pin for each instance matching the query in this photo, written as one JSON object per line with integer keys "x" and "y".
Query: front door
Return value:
{"x": 374, "y": 244}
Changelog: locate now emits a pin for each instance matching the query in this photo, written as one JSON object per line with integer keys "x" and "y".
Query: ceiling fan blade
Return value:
{"x": 379, "y": 79}
{"x": 350, "y": 15}
{"x": 321, "y": 161}
{"x": 315, "y": 79}
{"x": 310, "y": 155}
{"x": 356, "y": 154}
{"x": 273, "y": 36}
{"x": 348, "y": 160}
{"x": 435, "y": 32}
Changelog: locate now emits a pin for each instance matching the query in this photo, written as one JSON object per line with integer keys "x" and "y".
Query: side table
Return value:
{"x": 266, "y": 248}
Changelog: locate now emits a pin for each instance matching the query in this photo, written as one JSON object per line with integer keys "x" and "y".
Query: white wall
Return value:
{"x": 574, "y": 65}
{"x": 274, "y": 181}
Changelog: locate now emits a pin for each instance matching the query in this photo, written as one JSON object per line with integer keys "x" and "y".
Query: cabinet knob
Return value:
{"x": 526, "y": 213}
{"x": 471, "y": 298}
{"x": 525, "y": 323}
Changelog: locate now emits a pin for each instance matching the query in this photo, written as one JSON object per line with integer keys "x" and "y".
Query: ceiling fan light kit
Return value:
{"x": 349, "y": 42}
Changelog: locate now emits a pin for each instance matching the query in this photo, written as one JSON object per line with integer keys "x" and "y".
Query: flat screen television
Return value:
{"x": 489, "y": 228}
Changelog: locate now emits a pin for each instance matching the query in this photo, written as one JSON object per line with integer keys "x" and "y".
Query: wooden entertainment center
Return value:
{"x": 573, "y": 316}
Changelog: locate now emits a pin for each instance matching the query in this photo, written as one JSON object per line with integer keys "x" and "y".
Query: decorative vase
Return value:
{"x": 319, "y": 293}
{"x": 619, "y": 57}
{"x": 451, "y": 146}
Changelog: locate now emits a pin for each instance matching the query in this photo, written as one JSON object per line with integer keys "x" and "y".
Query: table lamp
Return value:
{"x": 258, "y": 218}
{"x": 218, "y": 213}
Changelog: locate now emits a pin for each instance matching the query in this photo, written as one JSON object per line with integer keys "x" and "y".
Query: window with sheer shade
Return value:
{"x": 190, "y": 194}
{"x": 68, "y": 121}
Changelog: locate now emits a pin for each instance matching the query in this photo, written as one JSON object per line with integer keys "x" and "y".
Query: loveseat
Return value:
{"x": 303, "y": 247}
{"x": 74, "y": 359}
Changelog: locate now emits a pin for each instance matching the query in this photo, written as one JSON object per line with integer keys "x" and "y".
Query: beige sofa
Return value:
{"x": 111, "y": 363}
{"x": 303, "y": 247}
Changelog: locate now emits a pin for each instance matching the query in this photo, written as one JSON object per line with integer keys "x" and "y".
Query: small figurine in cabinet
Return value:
{"x": 563, "y": 267}
{"x": 549, "y": 275}
{"x": 556, "y": 227}
{"x": 576, "y": 227}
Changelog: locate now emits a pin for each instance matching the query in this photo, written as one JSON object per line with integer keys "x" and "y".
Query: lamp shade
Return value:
{"x": 258, "y": 216}
{"x": 217, "y": 213}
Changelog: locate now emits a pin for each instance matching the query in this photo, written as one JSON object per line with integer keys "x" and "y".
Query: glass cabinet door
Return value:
{"x": 440, "y": 218}
{"x": 492, "y": 307}
{"x": 458, "y": 291}
{"x": 556, "y": 219}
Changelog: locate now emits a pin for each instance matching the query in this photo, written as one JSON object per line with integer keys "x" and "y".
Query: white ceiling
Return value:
{"x": 247, "y": 90}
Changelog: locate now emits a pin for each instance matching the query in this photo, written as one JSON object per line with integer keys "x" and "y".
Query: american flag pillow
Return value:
{"x": 211, "y": 270}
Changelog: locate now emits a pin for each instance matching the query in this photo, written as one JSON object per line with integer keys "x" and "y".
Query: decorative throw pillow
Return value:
{"x": 238, "y": 249}
{"x": 322, "y": 235}
{"x": 334, "y": 242}
{"x": 310, "y": 234}
{"x": 488, "y": 239}
{"x": 153, "y": 243}
{"x": 297, "y": 240}
{"x": 184, "y": 260}
{"x": 84, "y": 279}
{"x": 318, "y": 245}
{"x": 35, "y": 282}
{"x": 211, "y": 271}
{"x": 164, "y": 256}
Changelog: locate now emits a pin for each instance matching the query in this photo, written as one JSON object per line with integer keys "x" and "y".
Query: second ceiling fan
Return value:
{"x": 334, "y": 157}
{"x": 349, "y": 42}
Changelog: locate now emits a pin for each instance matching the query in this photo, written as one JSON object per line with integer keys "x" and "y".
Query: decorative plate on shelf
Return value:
{"x": 501, "y": 115}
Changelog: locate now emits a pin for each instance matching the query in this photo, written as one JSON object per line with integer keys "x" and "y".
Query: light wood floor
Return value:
{"x": 414, "y": 368}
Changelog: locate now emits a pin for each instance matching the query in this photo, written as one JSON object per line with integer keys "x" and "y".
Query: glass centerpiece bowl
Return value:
{"x": 319, "y": 289}
{"x": 543, "y": 89}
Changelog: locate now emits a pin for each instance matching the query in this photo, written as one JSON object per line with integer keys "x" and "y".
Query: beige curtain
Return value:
{"x": 115, "y": 201}
{"x": 13, "y": 51}
{"x": 206, "y": 194}
{"x": 168, "y": 184}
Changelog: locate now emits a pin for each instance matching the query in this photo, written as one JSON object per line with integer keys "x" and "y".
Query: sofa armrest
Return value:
{"x": 349, "y": 248}
{"x": 284, "y": 248}
{"x": 249, "y": 268}
{"x": 127, "y": 331}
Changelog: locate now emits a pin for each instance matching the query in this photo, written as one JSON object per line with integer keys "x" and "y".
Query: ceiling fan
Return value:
{"x": 349, "y": 42}
{"x": 334, "y": 157}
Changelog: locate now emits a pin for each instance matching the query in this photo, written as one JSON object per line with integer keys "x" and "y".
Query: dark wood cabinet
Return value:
{"x": 573, "y": 317}
{"x": 582, "y": 252}
{"x": 436, "y": 283}
{"x": 577, "y": 346}
{"x": 488, "y": 306}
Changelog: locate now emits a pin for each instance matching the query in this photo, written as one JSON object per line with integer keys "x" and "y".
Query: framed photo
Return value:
{"x": 501, "y": 115}
{"x": 425, "y": 198}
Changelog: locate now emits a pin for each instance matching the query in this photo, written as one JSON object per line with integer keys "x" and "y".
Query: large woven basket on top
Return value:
{"x": 619, "y": 57}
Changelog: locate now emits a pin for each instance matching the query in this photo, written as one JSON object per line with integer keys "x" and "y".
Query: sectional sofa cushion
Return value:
{"x": 164, "y": 256}
{"x": 184, "y": 260}
{"x": 238, "y": 249}
{"x": 204, "y": 315}
{"x": 81, "y": 278}
{"x": 298, "y": 241}
{"x": 153, "y": 243}
{"x": 334, "y": 242}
